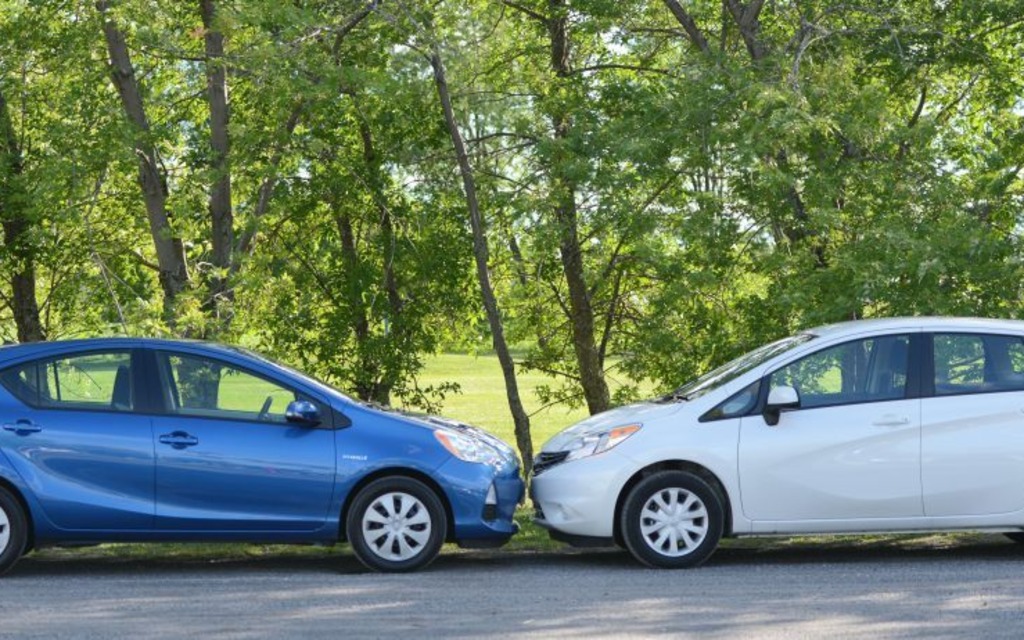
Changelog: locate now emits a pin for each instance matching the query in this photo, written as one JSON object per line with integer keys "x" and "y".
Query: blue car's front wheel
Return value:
{"x": 396, "y": 524}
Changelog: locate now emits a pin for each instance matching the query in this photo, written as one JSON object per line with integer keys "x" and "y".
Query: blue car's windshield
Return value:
{"x": 311, "y": 380}
{"x": 735, "y": 368}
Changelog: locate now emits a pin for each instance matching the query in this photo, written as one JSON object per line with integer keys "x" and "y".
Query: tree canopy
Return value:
{"x": 630, "y": 188}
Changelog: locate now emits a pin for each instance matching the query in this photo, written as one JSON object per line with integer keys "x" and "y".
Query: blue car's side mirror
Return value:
{"x": 303, "y": 412}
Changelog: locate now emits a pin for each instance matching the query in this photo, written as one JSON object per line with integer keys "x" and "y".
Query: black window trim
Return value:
{"x": 134, "y": 369}
{"x": 916, "y": 350}
{"x": 928, "y": 382}
{"x": 329, "y": 420}
{"x": 911, "y": 391}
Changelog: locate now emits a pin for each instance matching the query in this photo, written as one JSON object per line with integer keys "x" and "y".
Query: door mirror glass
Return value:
{"x": 780, "y": 398}
{"x": 784, "y": 397}
{"x": 303, "y": 412}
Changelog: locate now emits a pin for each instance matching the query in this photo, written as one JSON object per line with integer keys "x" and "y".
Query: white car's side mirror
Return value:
{"x": 780, "y": 398}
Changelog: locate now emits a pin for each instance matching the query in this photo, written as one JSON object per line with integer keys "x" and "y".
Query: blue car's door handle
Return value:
{"x": 179, "y": 439}
{"x": 23, "y": 427}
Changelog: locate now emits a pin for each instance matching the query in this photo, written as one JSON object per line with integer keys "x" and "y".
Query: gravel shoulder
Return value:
{"x": 783, "y": 589}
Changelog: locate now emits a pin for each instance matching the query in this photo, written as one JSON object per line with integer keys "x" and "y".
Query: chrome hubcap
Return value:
{"x": 5, "y": 531}
{"x": 674, "y": 522}
{"x": 396, "y": 526}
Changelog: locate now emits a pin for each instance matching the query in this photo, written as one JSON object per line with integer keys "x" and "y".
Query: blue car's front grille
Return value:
{"x": 546, "y": 460}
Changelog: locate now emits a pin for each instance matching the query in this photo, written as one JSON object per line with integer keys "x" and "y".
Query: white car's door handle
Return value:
{"x": 891, "y": 421}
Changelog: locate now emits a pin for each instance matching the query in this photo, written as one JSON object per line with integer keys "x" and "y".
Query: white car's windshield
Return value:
{"x": 735, "y": 368}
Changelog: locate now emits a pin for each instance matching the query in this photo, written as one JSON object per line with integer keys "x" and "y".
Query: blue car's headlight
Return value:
{"x": 468, "y": 448}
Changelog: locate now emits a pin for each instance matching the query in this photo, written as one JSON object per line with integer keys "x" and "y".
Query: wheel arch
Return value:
{"x": 30, "y": 541}
{"x": 672, "y": 465}
{"x": 403, "y": 472}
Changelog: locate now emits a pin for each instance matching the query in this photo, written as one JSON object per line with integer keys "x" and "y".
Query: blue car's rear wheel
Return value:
{"x": 13, "y": 530}
{"x": 396, "y": 524}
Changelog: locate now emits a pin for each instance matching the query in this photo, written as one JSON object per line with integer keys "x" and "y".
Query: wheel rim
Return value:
{"x": 396, "y": 526}
{"x": 674, "y": 522}
{"x": 5, "y": 531}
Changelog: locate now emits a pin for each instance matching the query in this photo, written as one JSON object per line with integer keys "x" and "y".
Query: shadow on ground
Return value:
{"x": 734, "y": 553}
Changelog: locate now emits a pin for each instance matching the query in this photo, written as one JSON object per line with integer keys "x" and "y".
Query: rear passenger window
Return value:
{"x": 971, "y": 363}
{"x": 87, "y": 381}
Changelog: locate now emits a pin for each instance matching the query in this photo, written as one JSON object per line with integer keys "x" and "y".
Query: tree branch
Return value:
{"x": 693, "y": 32}
{"x": 528, "y": 11}
{"x": 628, "y": 67}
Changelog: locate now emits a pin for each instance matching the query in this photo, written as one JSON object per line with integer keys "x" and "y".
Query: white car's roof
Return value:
{"x": 931, "y": 323}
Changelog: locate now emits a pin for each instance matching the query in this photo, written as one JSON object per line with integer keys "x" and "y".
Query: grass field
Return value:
{"x": 483, "y": 401}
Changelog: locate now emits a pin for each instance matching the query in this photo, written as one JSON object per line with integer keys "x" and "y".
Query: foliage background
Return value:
{"x": 662, "y": 185}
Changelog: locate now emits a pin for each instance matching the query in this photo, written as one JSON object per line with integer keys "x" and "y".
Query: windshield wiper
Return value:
{"x": 675, "y": 396}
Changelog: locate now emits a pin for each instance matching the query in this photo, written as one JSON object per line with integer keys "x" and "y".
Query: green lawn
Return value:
{"x": 483, "y": 401}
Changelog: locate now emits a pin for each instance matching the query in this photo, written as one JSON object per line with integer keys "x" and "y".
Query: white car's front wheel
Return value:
{"x": 672, "y": 520}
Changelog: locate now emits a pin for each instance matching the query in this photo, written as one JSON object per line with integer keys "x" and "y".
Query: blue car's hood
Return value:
{"x": 434, "y": 423}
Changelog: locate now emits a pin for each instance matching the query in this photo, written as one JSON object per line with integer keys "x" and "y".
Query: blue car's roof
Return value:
{"x": 29, "y": 349}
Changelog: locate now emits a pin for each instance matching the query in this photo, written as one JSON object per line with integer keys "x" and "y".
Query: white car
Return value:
{"x": 892, "y": 425}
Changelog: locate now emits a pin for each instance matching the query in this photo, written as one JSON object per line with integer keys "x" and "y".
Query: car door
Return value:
{"x": 71, "y": 430}
{"x": 972, "y": 434}
{"x": 226, "y": 457}
{"x": 851, "y": 450}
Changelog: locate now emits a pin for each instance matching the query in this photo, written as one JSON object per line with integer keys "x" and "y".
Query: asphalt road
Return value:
{"x": 968, "y": 591}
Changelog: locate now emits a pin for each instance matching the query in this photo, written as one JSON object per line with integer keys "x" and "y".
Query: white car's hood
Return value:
{"x": 629, "y": 414}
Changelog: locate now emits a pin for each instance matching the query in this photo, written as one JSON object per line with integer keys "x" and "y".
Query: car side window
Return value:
{"x": 736, "y": 405}
{"x": 869, "y": 370}
{"x": 86, "y": 381}
{"x": 974, "y": 363}
{"x": 197, "y": 386}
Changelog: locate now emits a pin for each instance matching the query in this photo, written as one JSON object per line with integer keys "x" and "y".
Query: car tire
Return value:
{"x": 13, "y": 530}
{"x": 672, "y": 520}
{"x": 396, "y": 524}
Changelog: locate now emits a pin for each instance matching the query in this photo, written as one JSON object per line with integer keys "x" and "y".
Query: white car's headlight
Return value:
{"x": 595, "y": 443}
{"x": 467, "y": 448}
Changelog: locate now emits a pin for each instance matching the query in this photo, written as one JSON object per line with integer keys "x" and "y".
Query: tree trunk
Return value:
{"x": 481, "y": 255}
{"x": 221, "y": 215}
{"x": 170, "y": 253}
{"x": 588, "y": 358}
{"x": 16, "y": 225}
{"x": 367, "y": 384}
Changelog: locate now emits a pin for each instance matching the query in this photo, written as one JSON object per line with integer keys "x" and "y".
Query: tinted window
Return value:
{"x": 867, "y": 370}
{"x": 87, "y": 381}
{"x": 734, "y": 369}
{"x": 739, "y": 404}
{"x": 970, "y": 363}
{"x": 196, "y": 386}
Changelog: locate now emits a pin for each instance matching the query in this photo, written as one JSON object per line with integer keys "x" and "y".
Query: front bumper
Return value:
{"x": 477, "y": 521}
{"x": 577, "y": 498}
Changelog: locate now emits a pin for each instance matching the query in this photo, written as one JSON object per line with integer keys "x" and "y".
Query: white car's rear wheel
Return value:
{"x": 672, "y": 520}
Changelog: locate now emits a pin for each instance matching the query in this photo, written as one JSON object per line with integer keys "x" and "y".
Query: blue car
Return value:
{"x": 115, "y": 440}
